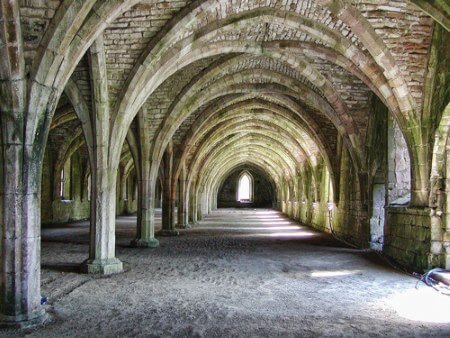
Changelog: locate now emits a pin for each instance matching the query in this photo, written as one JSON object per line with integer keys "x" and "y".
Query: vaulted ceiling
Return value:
{"x": 280, "y": 84}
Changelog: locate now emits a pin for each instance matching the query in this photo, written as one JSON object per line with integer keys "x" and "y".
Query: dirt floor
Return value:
{"x": 239, "y": 273}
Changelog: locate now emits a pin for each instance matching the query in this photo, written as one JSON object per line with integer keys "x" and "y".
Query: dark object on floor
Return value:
{"x": 441, "y": 275}
{"x": 438, "y": 279}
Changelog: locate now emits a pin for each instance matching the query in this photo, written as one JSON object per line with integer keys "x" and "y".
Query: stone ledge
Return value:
{"x": 421, "y": 211}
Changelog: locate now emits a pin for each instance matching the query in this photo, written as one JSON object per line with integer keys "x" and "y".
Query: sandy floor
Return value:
{"x": 237, "y": 274}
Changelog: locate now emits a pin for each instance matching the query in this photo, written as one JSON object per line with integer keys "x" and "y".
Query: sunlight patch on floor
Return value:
{"x": 292, "y": 234}
{"x": 250, "y": 228}
{"x": 337, "y": 273}
{"x": 423, "y": 305}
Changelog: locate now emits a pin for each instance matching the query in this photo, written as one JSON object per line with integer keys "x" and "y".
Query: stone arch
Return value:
{"x": 65, "y": 115}
{"x": 222, "y": 89}
{"x": 283, "y": 17}
{"x": 220, "y": 92}
{"x": 194, "y": 134}
{"x": 222, "y": 173}
{"x": 263, "y": 161}
{"x": 222, "y": 128}
{"x": 115, "y": 10}
{"x": 209, "y": 173}
{"x": 293, "y": 19}
{"x": 234, "y": 143}
{"x": 31, "y": 98}
{"x": 248, "y": 47}
{"x": 435, "y": 9}
{"x": 237, "y": 169}
{"x": 232, "y": 136}
{"x": 282, "y": 106}
{"x": 353, "y": 50}
{"x": 379, "y": 51}
{"x": 81, "y": 110}
{"x": 70, "y": 146}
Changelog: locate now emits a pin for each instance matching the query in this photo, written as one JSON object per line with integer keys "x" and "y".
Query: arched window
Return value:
{"x": 65, "y": 188}
{"x": 61, "y": 186}
{"x": 245, "y": 188}
{"x": 89, "y": 187}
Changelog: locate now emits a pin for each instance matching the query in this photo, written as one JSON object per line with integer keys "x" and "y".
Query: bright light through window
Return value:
{"x": 61, "y": 187}
{"x": 244, "y": 188}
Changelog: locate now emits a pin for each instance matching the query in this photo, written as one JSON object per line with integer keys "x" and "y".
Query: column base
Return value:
{"x": 184, "y": 226}
{"x": 144, "y": 243}
{"x": 24, "y": 321}
{"x": 103, "y": 266}
{"x": 167, "y": 233}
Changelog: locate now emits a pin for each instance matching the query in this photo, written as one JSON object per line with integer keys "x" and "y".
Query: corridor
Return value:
{"x": 239, "y": 272}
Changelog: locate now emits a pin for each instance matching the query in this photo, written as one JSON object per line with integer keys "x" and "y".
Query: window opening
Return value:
{"x": 89, "y": 188}
{"x": 245, "y": 188}
{"x": 61, "y": 187}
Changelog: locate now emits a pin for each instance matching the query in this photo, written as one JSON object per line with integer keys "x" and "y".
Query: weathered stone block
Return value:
{"x": 104, "y": 266}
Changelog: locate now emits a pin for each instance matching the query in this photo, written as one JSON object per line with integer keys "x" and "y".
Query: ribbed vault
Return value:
{"x": 158, "y": 103}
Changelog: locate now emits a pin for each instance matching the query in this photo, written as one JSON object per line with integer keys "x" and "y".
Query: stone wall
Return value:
{"x": 359, "y": 215}
{"x": 408, "y": 236}
{"x": 75, "y": 204}
{"x": 377, "y": 152}
{"x": 350, "y": 217}
{"x": 406, "y": 232}
{"x": 127, "y": 201}
{"x": 415, "y": 236}
{"x": 345, "y": 219}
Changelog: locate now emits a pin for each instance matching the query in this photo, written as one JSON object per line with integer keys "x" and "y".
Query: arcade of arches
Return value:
{"x": 335, "y": 111}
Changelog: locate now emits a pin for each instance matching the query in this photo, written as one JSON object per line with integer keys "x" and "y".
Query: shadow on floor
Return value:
{"x": 64, "y": 267}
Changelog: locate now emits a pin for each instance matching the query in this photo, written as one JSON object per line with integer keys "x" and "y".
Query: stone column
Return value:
{"x": 146, "y": 216}
{"x": 173, "y": 196}
{"x": 104, "y": 177}
{"x": 199, "y": 199}
{"x": 20, "y": 233}
{"x": 20, "y": 181}
{"x": 182, "y": 205}
{"x": 215, "y": 197}
{"x": 192, "y": 216}
{"x": 158, "y": 194}
{"x": 168, "y": 195}
{"x": 123, "y": 193}
{"x": 140, "y": 146}
{"x": 103, "y": 240}
{"x": 205, "y": 202}
{"x": 420, "y": 175}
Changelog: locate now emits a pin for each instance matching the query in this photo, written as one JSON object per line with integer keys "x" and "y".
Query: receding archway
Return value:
{"x": 245, "y": 186}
